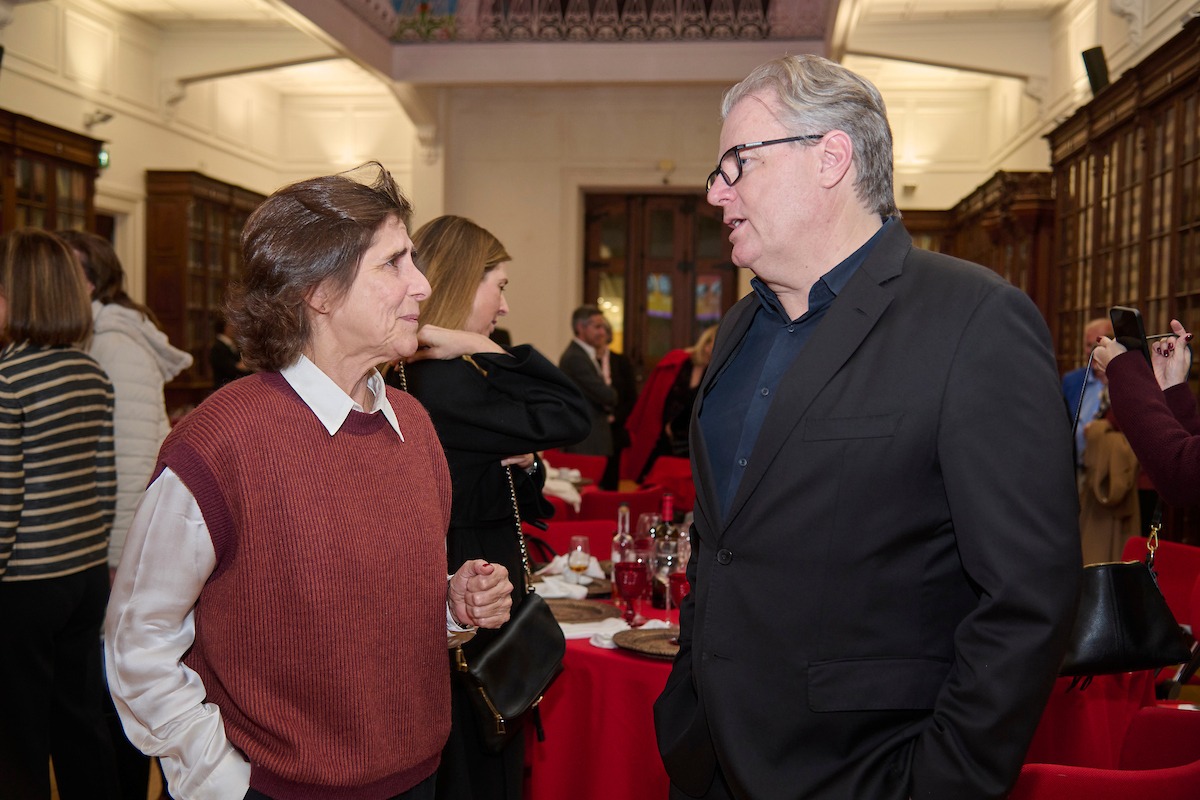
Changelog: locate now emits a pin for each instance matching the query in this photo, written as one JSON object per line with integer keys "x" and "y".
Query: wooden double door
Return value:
{"x": 659, "y": 267}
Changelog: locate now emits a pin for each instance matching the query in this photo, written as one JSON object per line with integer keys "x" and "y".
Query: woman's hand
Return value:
{"x": 480, "y": 594}
{"x": 1105, "y": 351}
{"x": 1170, "y": 359}
{"x": 525, "y": 461}
{"x": 445, "y": 343}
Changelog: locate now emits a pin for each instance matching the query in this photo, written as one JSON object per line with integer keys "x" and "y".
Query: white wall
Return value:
{"x": 67, "y": 58}
{"x": 518, "y": 161}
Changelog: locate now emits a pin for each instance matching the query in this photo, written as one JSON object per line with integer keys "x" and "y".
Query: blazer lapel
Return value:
{"x": 845, "y": 325}
{"x": 738, "y": 322}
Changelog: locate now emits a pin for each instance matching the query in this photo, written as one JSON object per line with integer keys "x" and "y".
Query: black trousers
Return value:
{"x": 422, "y": 791}
{"x": 50, "y": 671}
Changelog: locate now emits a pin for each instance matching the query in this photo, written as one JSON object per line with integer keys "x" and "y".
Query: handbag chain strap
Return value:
{"x": 520, "y": 535}
{"x": 1152, "y": 541}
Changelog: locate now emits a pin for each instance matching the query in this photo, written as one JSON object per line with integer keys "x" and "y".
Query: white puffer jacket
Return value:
{"x": 139, "y": 360}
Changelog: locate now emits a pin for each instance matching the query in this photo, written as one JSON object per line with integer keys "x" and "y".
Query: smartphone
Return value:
{"x": 1128, "y": 329}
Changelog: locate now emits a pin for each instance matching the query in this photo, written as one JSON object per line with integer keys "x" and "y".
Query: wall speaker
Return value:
{"x": 1097, "y": 69}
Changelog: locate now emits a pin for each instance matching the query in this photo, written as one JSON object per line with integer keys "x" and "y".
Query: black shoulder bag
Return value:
{"x": 508, "y": 678}
{"x": 1123, "y": 623}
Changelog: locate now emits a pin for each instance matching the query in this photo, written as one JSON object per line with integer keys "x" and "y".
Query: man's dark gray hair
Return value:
{"x": 817, "y": 95}
{"x": 581, "y": 315}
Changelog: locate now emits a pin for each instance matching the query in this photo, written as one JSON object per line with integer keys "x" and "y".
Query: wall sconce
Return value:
{"x": 666, "y": 167}
{"x": 97, "y": 117}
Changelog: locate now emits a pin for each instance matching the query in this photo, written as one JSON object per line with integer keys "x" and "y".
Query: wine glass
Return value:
{"x": 580, "y": 555}
{"x": 631, "y": 582}
{"x": 679, "y": 587}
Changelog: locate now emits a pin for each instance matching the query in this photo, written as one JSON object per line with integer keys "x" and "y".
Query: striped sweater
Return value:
{"x": 57, "y": 474}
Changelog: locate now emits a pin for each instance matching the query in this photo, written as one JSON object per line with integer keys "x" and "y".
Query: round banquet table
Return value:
{"x": 599, "y": 724}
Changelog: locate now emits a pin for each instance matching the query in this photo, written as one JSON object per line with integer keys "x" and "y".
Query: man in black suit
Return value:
{"x": 582, "y": 362}
{"x": 885, "y": 555}
{"x": 624, "y": 383}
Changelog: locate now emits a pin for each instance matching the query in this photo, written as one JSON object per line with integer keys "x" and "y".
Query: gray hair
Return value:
{"x": 817, "y": 95}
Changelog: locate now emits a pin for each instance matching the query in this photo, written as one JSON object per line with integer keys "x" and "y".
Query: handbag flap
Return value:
{"x": 523, "y": 660}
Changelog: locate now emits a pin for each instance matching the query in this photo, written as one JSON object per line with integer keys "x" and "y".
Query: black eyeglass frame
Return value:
{"x": 737, "y": 155}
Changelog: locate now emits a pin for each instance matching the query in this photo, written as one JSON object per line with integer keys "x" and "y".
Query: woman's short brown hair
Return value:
{"x": 43, "y": 286}
{"x": 455, "y": 254}
{"x": 305, "y": 234}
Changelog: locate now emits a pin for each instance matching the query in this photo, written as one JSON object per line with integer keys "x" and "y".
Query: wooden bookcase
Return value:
{"x": 193, "y": 252}
{"x": 1127, "y": 186}
{"x": 1006, "y": 224}
{"x": 47, "y": 175}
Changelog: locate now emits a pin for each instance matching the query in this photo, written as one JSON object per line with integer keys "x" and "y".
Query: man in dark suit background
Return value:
{"x": 582, "y": 363}
{"x": 885, "y": 555}
{"x": 624, "y": 383}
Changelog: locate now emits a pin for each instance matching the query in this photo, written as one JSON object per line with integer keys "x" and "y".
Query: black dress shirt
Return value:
{"x": 737, "y": 402}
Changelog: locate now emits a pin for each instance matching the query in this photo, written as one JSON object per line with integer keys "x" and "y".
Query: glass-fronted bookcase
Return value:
{"x": 193, "y": 231}
{"x": 47, "y": 175}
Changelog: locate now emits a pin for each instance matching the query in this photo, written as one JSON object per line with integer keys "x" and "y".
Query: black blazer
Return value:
{"x": 884, "y": 610}
{"x": 577, "y": 366}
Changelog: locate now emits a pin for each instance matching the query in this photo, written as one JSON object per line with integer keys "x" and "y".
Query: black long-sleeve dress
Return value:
{"x": 486, "y": 408}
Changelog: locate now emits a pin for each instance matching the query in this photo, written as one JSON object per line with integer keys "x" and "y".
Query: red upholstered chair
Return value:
{"x": 1177, "y": 566}
{"x": 590, "y": 467}
{"x": 1160, "y": 760}
{"x": 563, "y": 511}
{"x": 603, "y": 505}
{"x": 674, "y": 475}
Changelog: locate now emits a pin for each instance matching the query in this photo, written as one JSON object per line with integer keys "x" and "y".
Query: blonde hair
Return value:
{"x": 455, "y": 254}
{"x": 709, "y": 335}
{"x": 43, "y": 285}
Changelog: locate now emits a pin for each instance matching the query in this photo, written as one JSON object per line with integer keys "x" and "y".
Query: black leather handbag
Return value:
{"x": 508, "y": 678}
{"x": 1124, "y": 623}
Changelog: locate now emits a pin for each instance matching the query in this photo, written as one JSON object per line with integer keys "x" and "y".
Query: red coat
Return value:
{"x": 645, "y": 423}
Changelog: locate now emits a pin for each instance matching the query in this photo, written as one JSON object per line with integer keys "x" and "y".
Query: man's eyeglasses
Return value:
{"x": 731, "y": 162}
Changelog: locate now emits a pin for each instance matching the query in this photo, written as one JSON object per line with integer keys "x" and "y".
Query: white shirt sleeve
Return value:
{"x": 150, "y": 626}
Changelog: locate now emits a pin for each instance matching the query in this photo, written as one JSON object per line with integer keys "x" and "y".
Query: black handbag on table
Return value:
{"x": 508, "y": 678}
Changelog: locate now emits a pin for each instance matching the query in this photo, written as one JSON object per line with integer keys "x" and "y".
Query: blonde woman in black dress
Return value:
{"x": 493, "y": 407}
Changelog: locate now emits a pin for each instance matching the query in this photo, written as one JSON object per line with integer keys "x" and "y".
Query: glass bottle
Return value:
{"x": 666, "y": 538}
{"x": 622, "y": 543}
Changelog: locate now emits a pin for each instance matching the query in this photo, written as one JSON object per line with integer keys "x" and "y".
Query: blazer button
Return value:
{"x": 724, "y": 556}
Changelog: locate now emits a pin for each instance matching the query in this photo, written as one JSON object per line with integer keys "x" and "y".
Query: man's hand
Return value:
{"x": 480, "y": 594}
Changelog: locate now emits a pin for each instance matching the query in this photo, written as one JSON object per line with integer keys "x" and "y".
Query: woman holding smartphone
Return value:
{"x": 1157, "y": 412}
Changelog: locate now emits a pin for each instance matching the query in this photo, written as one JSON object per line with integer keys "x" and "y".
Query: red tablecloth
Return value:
{"x": 600, "y": 727}
{"x": 599, "y": 724}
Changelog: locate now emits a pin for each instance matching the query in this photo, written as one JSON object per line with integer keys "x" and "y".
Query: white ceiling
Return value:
{"x": 167, "y": 12}
{"x": 876, "y": 11}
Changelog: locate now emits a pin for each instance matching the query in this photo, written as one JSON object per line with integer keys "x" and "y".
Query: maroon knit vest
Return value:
{"x": 321, "y": 633}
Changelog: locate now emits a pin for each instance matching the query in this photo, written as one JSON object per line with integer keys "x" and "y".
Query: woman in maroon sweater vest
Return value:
{"x": 278, "y": 619}
{"x": 1157, "y": 412}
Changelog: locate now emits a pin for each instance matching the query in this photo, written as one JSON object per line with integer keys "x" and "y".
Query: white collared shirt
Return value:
{"x": 600, "y": 365}
{"x": 167, "y": 560}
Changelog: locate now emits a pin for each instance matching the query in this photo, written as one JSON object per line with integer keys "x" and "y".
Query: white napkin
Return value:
{"x": 551, "y": 586}
{"x": 563, "y": 489}
{"x": 558, "y": 566}
{"x": 604, "y": 638}
{"x": 584, "y": 630}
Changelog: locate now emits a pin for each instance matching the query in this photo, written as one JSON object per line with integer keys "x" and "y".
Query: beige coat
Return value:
{"x": 1109, "y": 513}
